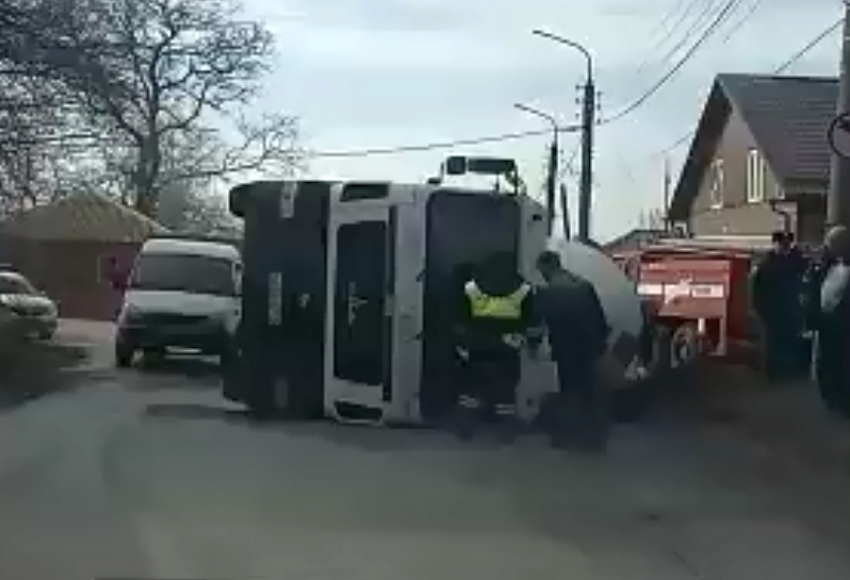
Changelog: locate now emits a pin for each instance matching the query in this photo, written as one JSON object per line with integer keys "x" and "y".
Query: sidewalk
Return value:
{"x": 96, "y": 337}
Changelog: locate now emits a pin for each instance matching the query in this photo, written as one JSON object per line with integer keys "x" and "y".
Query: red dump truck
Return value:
{"x": 697, "y": 295}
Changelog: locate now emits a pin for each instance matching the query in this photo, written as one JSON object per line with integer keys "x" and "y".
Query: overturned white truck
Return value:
{"x": 344, "y": 294}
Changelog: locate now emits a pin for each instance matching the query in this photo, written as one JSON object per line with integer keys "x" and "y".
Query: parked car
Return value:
{"x": 32, "y": 310}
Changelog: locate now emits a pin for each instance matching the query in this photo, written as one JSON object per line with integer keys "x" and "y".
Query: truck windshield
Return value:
{"x": 190, "y": 273}
{"x": 463, "y": 229}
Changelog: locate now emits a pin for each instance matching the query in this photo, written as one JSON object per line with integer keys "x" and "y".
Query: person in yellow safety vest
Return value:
{"x": 497, "y": 318}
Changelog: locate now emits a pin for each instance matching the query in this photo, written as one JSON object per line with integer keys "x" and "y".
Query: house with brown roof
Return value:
{"x": 67, "y": 249}
{"x": 759, "y": 156}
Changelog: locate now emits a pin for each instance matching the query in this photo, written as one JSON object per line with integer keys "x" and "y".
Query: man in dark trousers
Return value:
{"x": 833, "y": 323}
{"x": 578, "y": 334}
{"x": 495, "y": 318}
{"x": 776, "y": 291}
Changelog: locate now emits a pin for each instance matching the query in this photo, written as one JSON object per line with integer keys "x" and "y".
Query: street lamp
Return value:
{"x": 572, "y": 43}
{"x": 552, "y": 173}
{"x": 538, "y": 113}
{"x": 587, "y": 124}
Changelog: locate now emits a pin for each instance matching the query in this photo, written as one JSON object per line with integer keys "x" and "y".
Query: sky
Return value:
{"x": 363, "y": 74}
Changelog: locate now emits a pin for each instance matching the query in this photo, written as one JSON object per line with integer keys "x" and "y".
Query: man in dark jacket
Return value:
{"x": 578, "y": 334}
{"x": 833, "y": 323}
{"x": 495, "y": 318}
{"x": 776, "y": 290}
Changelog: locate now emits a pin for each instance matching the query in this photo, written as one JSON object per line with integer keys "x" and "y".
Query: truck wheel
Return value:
{"x": 684, "y": 345}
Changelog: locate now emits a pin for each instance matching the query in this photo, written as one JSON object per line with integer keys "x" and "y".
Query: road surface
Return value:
{"x": 148, "y": 475}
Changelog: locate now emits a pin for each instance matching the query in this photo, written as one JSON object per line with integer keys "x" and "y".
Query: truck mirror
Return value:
{"x": 456, "y": 165}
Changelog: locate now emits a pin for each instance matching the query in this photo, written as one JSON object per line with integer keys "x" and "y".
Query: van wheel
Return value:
{"x": 124, "y": 354}
{"x": 154, "y": 353}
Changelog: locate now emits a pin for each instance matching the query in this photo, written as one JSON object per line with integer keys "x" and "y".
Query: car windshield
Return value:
{"x": 185, "y": 273}
{"x": 14, "y": 284}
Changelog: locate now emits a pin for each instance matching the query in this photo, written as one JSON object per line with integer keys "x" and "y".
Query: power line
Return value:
{"x": 422, "y": 147}
{"x": 703, "y": 18}
{"x": 688, "y": 6}
{"x": 792, "y": 60}
{"x": 680, "y": 21}
{"x": 745, "y": 19}
{"x": 806, "y": 49}
{"x": 719, "y": 19}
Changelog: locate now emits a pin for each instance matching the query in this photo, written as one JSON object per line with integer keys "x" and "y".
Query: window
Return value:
{"x": 755, "y": 177}
{"x": 716, "y": 184}
{"x": 195, "y": 274}
{"x": 11, "y": 283}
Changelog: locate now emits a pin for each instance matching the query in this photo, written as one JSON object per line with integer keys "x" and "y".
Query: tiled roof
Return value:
{"x": 788, "y": 117}
{"x": 82, "y": 218}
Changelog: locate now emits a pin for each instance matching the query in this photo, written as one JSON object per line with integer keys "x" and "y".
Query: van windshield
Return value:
{"x": 190, "y": 273}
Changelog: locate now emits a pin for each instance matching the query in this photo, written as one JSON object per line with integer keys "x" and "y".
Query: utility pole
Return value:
{"x": 666, "y": 208}
{"x": 588, "y": 122}
{"x": 552, "y": 184}
{"x": 565, "y": 213}
{"x": 838, "y": 204}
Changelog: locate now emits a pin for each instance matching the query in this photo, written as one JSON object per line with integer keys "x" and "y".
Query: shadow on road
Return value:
{"x": 192, "y": 367}
{"x": 37, "y": 369}
{"x": 172, "y": 373}
{"x": 360, "y": 436}
{"x": 188, "y": 411}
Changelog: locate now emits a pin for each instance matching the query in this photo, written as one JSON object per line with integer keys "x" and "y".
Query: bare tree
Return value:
{"x": 46, "y": 46}
{"x": 173, "y": 65}
{"x": 121, "y": 97}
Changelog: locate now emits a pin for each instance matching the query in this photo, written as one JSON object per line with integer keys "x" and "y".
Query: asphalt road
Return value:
{"x": 148, "y": 475}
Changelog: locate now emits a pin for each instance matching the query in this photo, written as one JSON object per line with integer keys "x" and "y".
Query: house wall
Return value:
{"x": 736, "y": 216}
{"x": 73, "y": 273}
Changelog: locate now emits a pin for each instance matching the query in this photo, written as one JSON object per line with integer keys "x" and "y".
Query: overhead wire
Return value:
{"x": 705, "y": 16}
{"x": 727, "y": 10}
{"x": 749, "y": 14}
{"x": 688, "y": 6}
{"x": 417, "y": 148}
{"x": 422, "y": 147}
{"x": 791, "y": 61}
{"x": 721, "y": 17}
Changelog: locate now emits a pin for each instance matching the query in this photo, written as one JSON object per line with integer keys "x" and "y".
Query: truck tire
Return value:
{"x": 684, "y": 345}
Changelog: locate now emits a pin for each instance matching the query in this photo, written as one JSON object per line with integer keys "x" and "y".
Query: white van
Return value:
{"x": 181, "y": 293}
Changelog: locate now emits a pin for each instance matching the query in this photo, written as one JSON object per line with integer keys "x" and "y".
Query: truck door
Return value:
{"x": 358, "y": 362}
